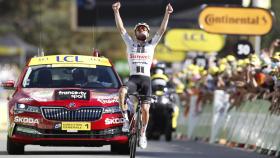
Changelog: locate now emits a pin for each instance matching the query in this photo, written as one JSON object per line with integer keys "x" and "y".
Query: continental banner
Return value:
{"x": 194, "y": 40}
{"x": 234, "y": 20}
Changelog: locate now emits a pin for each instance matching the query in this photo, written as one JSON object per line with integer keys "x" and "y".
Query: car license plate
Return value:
{"x": 79, "y": 126}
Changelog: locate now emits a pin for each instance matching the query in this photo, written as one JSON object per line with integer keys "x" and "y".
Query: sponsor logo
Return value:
{"x": 26, "y": 99}
{"x": 72, "y": 105}
{"x": 72, "y": 94}
{"x": 68, "y": 59}
{"x": 139, "y": 56}
{"x": 110, "y": 121}
{"x": 226, "y": 19}
{"x": 57, "y": 126}
{"x": 108, "y": 99}
{"x": 41, "y": 95}
{"x": 25, "y": 120}
{"x": 235, "y": 20}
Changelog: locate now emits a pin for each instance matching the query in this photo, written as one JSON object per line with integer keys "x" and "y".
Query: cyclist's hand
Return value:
{"x": 169, "y": 8}
{"x": 116, "y": 6}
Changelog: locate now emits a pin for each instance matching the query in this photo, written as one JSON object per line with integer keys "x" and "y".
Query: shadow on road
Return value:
{"x": 3, "y": 153}
{"x": 169, "y": 154}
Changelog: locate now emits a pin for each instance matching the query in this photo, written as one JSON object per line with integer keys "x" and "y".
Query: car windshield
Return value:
{"x": 59, "y": 77}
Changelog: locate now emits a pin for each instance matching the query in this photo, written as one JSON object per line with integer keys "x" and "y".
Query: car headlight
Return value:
{"x": 112, "y": 109}
{"x": 20, "y": 108}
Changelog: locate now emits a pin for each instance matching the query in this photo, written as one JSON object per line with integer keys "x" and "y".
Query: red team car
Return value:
{"x": 66, "y": 100}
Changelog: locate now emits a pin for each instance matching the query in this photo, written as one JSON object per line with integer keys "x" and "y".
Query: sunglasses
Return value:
{"x": 141, "y": 28}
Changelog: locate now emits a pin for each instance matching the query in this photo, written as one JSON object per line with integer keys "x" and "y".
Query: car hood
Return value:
{"x": 61, "y": 96}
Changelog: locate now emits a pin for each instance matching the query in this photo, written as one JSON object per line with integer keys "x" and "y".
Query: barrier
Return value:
{"x": 243, "y": 120}
{"x": 203, "y": 126}
{"x": 250, "y": 125}
{"x": 3, "y": 115}
{"x": 261, "y": 106}
{"x": 220, "y": 108}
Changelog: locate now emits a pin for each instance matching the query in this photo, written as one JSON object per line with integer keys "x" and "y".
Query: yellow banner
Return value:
{"x": 69, "y": 60}
{"x": 194, "y": 40}
{"x": 238, "y": 21}
{"x": 163, "y": 53}
{"x": 79, "y": 126}
{"x": 10, "y": 50}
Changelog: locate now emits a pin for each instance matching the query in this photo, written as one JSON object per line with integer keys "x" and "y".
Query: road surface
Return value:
{"x": 156, "y": 149}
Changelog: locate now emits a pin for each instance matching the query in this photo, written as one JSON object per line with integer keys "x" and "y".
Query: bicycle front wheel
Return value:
{"x": 133, "y": 144}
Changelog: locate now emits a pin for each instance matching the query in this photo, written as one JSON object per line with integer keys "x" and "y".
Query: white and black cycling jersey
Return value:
{"x": 140, "y": 56}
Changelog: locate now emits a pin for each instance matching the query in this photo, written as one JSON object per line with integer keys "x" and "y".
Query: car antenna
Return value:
{"x": 40, "y": 49}
{"x": 93, "y": 29}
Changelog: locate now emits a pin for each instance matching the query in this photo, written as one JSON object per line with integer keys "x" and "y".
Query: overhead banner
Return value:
{"x": 163, "y": 53}
{"x": 194, "y": 40}
{"x": 235, "y": 20}
{"x": 6, "y": 51}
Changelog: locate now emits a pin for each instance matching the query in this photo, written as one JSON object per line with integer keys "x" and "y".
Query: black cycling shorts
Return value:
{"x": 141, "y": 85}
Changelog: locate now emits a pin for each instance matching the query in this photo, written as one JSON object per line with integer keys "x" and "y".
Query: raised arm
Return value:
{"x": 119, "y": 23}
{"x": 273, "y": 45}
{"x": 165, "y": 20}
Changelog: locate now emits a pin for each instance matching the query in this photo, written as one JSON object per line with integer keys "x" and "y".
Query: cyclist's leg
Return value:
{"x": 122, "y": 95}
{"x": 145, "y": 90}
{"x": 130, "y": 85}
{"x": 145, "y": 116}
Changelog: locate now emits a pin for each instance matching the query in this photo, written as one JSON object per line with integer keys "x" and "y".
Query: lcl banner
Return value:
{"x": 163, "y": 53}
{"x": 194, "y": 40}
{"x": 236, "y": 20}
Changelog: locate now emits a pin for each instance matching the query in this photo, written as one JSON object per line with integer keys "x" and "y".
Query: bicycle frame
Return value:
{"x": 135, "y": 125}
{"x": 135, "y": 128}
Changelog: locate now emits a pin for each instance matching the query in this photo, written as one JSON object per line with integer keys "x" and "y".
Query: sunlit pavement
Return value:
{"x": 161, "y": 149}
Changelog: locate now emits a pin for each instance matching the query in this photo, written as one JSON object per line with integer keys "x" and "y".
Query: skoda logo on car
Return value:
{"x": 72, "y": 105}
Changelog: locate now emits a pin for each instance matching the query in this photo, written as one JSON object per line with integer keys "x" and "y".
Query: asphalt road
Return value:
{"x": 160, "y": 149}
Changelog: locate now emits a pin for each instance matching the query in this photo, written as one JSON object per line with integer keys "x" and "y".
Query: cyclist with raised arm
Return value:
{"x": 140, "y": 55}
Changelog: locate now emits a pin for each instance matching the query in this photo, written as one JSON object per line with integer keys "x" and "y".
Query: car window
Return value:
{"x": 58, "y": 77}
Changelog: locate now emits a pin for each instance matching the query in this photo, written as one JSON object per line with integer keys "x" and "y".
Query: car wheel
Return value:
{"x": 120, "y": 148}
{"x": 14, "y": 148}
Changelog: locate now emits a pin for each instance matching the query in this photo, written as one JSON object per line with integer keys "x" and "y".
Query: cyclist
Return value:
{"x": 140, "y": 55}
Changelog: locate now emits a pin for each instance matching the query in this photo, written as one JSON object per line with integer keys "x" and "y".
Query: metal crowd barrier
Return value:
{"x": 251, "y": 125}
{"x": 3, "y": 115}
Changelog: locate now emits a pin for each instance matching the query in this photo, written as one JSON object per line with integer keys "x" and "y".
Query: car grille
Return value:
{"x": 63, "y": 114}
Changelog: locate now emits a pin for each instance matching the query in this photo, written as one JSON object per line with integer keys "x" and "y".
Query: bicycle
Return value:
{"x": 136, "y": 124}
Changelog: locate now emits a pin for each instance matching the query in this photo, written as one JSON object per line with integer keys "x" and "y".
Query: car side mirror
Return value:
{"x": 9, "y": 84}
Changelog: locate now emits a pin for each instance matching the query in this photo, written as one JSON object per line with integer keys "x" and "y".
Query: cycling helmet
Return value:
{"x": 161, "y": 65}
{"x": 142, "y": 24}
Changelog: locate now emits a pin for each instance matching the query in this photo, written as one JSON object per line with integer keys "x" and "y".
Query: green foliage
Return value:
{"x": 47, "y": 23}
{"x": 275, "y": 32}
